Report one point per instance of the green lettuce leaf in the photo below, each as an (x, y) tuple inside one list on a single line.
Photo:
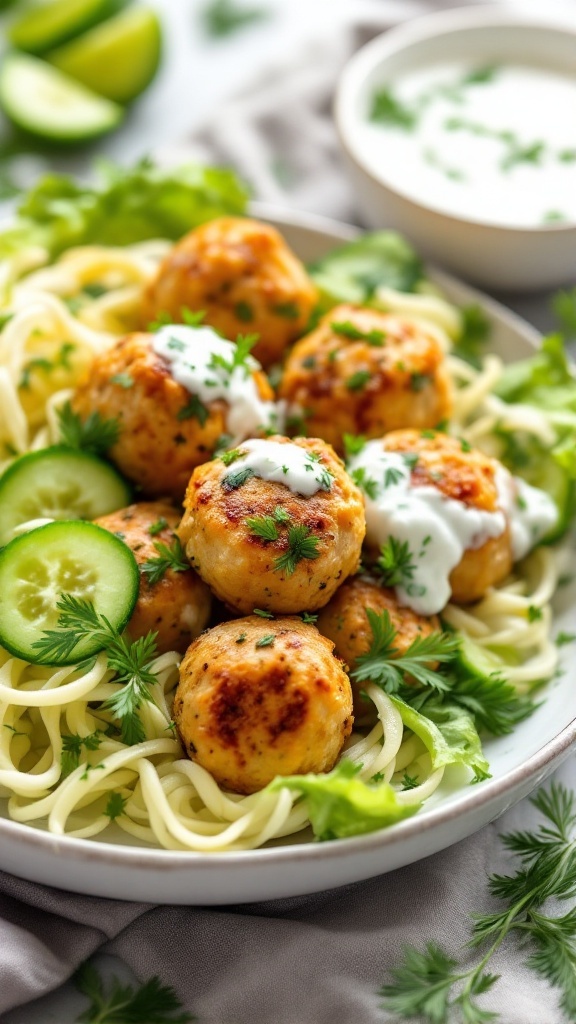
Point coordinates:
[(545, 379), (123, 207), (353, 272), (448, 733), (341, 805)]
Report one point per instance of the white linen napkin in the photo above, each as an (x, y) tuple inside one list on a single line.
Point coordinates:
[(318, 959)]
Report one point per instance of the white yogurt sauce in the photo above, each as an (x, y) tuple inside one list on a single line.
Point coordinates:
[(531, 512), (499, 151), (286, 464), (437, 529), (190, 352)]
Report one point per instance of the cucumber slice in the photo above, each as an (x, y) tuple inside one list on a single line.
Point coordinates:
[(44, 25), (75, 558), (41, 100), (117, 59), (478, 662), (553, 479), (58, 483)]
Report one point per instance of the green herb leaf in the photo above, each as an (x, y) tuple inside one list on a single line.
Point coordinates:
[(150, 1003), (194, 409), (234, 480), (94, 434), (382, 664), (358, 381), (301, 544), (115, 805), (266, 641), (169, 557), (72, 747), (263, 526), (155, 528), (396, 563), (223, 18), (387, 108)]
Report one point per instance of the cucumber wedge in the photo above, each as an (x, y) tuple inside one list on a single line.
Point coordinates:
[(117, 59), (58, 483), (38, 568), (478, 662), (43, 101), (50, 23)]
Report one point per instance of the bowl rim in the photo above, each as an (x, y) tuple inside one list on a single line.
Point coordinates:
[(376, 52)]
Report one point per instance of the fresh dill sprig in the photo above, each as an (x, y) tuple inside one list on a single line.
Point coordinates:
[(429, 984), (495, 703), (396, 563), (301, 544), (131, 662), (169, 557), (94, 434), (72, 746), (150, 1003), (382, 664)]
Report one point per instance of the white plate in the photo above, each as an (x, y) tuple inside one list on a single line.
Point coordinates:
[(519, 762)]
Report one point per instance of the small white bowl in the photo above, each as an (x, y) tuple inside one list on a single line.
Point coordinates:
[(491, 254)]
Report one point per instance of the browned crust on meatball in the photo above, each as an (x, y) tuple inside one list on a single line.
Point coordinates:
[(239, 566), (260, 698), (159, 443), (345, 622), (345, 385), (243, 276), (176, 607)]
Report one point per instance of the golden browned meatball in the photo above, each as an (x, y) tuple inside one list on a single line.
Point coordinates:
[(174, 604), (366, 372), (244, 277), (344, 621), (438, 507), (277, 525), (259, 698), (165, 430)]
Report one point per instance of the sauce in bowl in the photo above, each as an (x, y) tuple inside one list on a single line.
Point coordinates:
[(492, 143)]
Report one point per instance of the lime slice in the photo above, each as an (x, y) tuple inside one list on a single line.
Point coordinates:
[(41, 100), (44, 25), (117, 59)]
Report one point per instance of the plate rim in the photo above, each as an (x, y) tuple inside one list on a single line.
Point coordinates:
[(117, 854)]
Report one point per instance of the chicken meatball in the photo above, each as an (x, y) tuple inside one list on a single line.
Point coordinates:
[(436, 505), (244, 277), (274, 524), (175, 603), (344, 621), (175, 395), (259, 698), (366, 372)]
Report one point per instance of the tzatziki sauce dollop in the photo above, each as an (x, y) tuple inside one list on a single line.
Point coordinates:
[(438, 529), (204, 363), (297, 468)]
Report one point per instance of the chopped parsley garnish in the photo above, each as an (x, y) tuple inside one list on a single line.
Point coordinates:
[(263, 526), (409, 781), (62, 359), (308, 618), (465, 445), (241, 639), (262, 613), (392, 476), (289, 310), (565, 638), (94, 434), (124, 380), (301, 544), (244, 312), (229, 457), (353, 444), (194, 409), (72, 747), (346, 329), (534, 613), (396, 563), (115, 805), (418, 381), (169, 557), (312, 466), (155, 528), (364, 482), (358, 380), (242, 349), (266, 641), (383, 665), (234, 480), (281, 515), (386, 108)]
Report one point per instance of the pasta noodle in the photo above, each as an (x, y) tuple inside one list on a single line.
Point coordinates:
[(60, 316)]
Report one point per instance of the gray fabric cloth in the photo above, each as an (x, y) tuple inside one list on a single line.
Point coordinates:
[(319, 959)]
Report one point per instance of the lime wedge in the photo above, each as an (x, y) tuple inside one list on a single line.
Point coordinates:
[(117, 59), (41, 100), (43, 25)]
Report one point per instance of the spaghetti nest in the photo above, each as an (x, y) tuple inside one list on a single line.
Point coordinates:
[(63, 764)]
